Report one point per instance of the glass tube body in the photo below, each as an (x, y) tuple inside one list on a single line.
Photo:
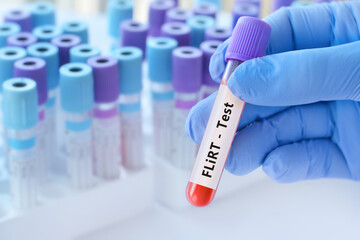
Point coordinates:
[(78, 149), (42, 145), (51, 115), (183, 149), (22, 156), (163, 107), (106, 140), (216, 143), (131, 131)]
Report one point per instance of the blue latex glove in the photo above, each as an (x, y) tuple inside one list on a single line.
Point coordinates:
[(302, 120)]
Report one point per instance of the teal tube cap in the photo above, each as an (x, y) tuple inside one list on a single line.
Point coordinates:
[(83, 52), (130, 69), (76, 88), (198, 25), (50, 54), (117, 12), (42, 13), (78, 28), (20, 92), (7, 29), (159, 56), (8, 56), (46, 32)]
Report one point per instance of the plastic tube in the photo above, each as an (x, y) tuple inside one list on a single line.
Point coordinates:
[(106, 124), (20, 125), (187, 76), (77, 99), (22, 39), (249, 40), (21, 17), (178, 31), (65, 42), (42, 13), (83, 52), (78, 28), (45, 33), (159, 53)]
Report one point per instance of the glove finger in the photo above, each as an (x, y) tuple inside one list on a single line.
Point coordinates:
[(300, 77), (217, 62), (319, 25), (310, 159), (252, 144), (199, 116)]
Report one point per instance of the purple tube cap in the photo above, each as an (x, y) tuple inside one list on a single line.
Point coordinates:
[(64, 43), (208, 48), (134, 34), (249, 39), (205, 8), (157, 14), (217, 33), (21, 17), (187, 69), (106, 78), (177, 30), (22, 39), (35, 69)]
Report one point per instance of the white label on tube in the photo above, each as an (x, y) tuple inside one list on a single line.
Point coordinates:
[(217, 139)]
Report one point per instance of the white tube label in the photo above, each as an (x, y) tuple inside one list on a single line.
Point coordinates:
[(217, 140)]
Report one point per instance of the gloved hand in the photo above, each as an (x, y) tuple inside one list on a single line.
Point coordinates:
[(302, 118)]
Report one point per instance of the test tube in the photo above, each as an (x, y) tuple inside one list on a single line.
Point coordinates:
[(22, 39), (249, 40), (83, 52), (20, 124), (217, 33), (78, 28), (20, 17), (187, 76), (216, 2), (198, 26), (45, 33), (178, 31), (244, 9), (65, 43), (8, 56), (77, 100), (205, 9), (281, 3), (157, 13), (42, 13), (117, 12), (159, 52), (6, 30), (106, 124), (133, 34), (35, 69), (178, 15), (130, 75), (209, 86), (50, 54)]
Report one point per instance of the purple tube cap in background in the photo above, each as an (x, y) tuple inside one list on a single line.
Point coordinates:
[(157, 13), (21, 17), (178, 15), (187, 68), (208, 48), (134, 34), (64, 43), (206, 9), (35, 69), (22, 39), (217, 33), (106, 78), (177, 30)]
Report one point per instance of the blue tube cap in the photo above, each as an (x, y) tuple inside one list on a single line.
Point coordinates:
[(20, 92), (118, 11), (42, 13), (216, 2), (83, 52), (198, 25), (78, 28), (8, 56), (130, 69), (46, 32), (50, 54), (159, 56), (7, 29), (76, 88)]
